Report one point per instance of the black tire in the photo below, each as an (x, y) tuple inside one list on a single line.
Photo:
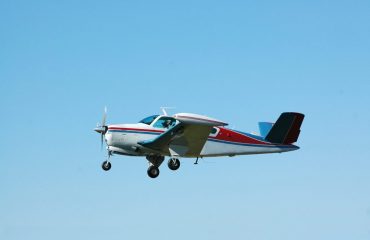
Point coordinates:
[(106, 165), (173, 164), (153, 171)]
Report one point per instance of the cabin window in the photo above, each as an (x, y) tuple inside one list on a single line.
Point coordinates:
[(214, 132), (165, 122)]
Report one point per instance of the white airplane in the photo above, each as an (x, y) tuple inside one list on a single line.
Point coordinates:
[(187, 135)]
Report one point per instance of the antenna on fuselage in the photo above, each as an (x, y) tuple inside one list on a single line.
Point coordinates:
[(164, 110)]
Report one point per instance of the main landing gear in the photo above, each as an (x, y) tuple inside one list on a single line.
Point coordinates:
[(173, 164), (153, 171), (156, 161)]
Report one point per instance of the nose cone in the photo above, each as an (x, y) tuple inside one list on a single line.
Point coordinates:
[(98, 130), (102, 129)]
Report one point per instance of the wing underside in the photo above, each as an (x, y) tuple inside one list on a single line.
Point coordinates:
[(186, 139), (181, 140)]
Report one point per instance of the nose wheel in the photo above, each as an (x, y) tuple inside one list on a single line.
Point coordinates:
[(153, 171), (173, 164), (106, 166)]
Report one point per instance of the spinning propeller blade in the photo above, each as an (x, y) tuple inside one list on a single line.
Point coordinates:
[(104, 117), (101, 141), (102, 128)]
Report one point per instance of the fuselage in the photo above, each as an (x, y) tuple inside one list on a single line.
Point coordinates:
[(124, 138)]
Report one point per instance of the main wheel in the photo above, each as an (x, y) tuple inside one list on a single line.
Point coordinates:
[(153, 171), (173, 164), (106, 165)]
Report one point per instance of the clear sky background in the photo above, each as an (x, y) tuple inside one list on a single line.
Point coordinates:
[(242, 62)]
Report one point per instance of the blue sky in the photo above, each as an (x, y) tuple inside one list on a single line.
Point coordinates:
[(242, 62)]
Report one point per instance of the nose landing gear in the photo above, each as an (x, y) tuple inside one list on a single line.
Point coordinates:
[(106, 165)]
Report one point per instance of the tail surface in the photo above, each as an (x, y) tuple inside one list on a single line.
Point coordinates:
[(265, 128), (286, 129)]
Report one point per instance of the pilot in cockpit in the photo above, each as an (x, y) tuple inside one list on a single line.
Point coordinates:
[(168, 123)]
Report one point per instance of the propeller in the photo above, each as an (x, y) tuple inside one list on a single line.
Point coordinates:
[(102, 128)]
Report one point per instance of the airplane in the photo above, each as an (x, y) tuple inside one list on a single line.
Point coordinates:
[(189, 135)]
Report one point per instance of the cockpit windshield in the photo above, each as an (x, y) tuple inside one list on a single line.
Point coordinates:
[(149, 120)]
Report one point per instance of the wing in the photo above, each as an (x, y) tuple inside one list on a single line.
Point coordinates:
[(187, 138)]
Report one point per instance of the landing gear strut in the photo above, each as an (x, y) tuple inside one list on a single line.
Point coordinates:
[(173, 164)]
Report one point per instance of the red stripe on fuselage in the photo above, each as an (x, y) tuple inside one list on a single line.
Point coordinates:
[(135, 129), (232, 136), (224, 134)]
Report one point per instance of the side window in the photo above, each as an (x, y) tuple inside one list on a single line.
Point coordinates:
[(165, 122), (214, 132)]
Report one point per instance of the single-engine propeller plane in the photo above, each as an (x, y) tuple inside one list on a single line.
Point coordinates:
[(188, 135)]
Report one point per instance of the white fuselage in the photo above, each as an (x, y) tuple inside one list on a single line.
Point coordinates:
[(124, 138)]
